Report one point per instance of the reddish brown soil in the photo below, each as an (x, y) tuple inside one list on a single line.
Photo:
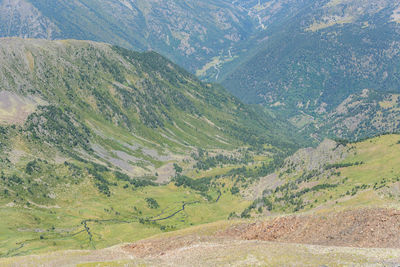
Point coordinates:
[(379, 228), (366, 228)]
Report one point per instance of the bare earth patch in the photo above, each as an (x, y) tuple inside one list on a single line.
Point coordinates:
[(367, 228), (15, 109)]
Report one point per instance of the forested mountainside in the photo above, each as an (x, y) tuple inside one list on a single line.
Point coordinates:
[(331, 69)]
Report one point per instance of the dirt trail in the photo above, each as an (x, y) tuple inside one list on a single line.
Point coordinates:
[(158, 247)]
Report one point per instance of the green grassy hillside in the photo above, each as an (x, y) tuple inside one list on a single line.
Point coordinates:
[(91, 136), (50, 205), (334, 177), (96, 85)]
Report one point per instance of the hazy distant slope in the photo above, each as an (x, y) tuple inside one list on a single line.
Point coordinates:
[(310, 65), (189, 32), (202, 36), (21, 18)]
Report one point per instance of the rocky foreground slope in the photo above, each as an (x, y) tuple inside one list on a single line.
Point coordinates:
[(240, 243)]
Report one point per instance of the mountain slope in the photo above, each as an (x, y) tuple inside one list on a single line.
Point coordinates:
[(126, 89), (98, 141), (94, 98), (309, 67)]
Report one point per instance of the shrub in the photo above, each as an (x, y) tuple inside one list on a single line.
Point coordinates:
[(152, 203)]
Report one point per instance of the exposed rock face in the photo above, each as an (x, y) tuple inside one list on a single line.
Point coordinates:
[(309, 159), (305, 160)]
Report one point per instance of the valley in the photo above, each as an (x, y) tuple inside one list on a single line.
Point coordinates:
[(199, 133), (334, 178), (132, 144)]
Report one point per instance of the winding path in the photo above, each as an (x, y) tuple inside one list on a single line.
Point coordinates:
[(176, 212), (86, 229), (219, 196)]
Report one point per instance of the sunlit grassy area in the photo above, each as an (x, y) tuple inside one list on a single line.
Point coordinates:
[(115, 219)]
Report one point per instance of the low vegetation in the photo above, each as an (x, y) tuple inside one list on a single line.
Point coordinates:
[(342, 183)]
